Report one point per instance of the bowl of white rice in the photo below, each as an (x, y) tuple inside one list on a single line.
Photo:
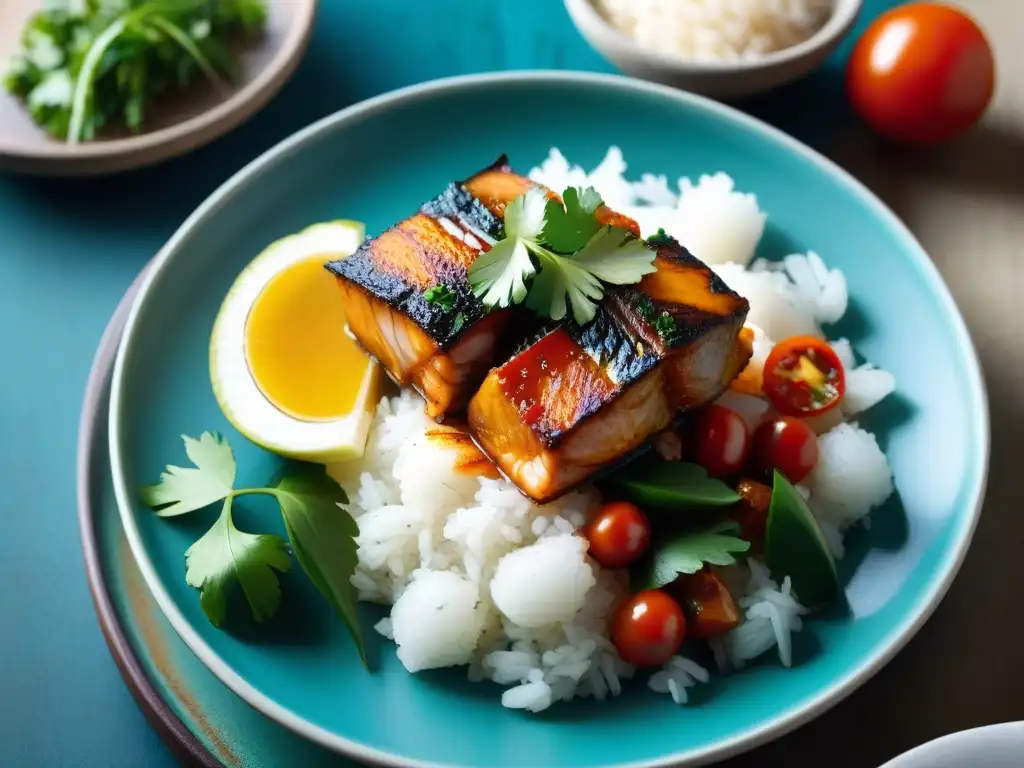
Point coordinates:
[(719, 48)]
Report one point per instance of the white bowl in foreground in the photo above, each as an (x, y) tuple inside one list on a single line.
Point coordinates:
[(994, 746), (718, 79)]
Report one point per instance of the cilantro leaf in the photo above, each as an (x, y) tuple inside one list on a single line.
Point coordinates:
[(570, 226), (323, 537), (225, 555), (498, 277), (613, 255), (687, 553), (525, 216), (561, 279), (186, 489), (440, 295)]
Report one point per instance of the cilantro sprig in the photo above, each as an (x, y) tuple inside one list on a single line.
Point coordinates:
[(687, 553), (556, 256), (320, 532), (87, 65)]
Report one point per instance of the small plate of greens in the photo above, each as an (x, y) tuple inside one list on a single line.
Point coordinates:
[(97, 86)]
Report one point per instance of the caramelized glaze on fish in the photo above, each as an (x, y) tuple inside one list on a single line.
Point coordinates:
[(579, 400), (442, 350)]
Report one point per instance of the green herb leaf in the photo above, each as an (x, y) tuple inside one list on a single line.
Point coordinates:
[(441, 296), (666, 327), (123, 55), (614, 256), (561, 279), (660, 238), (323, 537), (460, 320), (498, 277), (569, 227), (795, 546), (186, 489), (686, 553), (670, 486), (645, 307), (225, 555)]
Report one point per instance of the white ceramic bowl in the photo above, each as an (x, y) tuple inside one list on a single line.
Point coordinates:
[(720, 80)]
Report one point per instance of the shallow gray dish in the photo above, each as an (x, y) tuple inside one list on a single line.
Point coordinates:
[(178, 126)]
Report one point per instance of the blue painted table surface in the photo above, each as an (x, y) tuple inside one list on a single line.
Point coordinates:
[(70, 248)]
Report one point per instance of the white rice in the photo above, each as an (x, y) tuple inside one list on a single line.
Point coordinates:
[(477, 575), (716, 30)]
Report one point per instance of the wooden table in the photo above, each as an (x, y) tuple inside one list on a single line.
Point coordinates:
[(68, 249)]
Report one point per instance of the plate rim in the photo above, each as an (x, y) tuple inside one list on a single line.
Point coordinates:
[(172, 730), (178, 138), (785, 721)]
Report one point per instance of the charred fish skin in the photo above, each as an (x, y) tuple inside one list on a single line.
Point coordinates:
[(581, 400), (434, 247)]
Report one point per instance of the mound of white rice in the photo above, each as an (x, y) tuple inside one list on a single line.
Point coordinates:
[(716, 30), (478, 575)]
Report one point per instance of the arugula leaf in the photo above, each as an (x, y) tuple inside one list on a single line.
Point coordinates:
[(671, 486), (182, 489), (613, 255), (570, 226), (686, 553), (225, 555), (323, 537), (440, 295)]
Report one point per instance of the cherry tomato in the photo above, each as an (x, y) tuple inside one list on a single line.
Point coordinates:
[(707, 603), (785, 444), (803, 376), (751, 511), (648, 628), (921, 73), (722, 441), (618, 534)]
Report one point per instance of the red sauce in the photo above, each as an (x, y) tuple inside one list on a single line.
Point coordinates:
[(524, 378)]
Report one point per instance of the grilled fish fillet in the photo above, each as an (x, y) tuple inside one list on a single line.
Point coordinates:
[(442, 351), (579, 400)]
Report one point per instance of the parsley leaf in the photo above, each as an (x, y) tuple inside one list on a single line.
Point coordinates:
[(645, 307), (687, 553), (570, 226), (323, 537), (225, 555), (441, 296), (182, 490)]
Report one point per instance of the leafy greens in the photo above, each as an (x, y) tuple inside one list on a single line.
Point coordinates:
[(86, 65), (321, 533), (556, 256)]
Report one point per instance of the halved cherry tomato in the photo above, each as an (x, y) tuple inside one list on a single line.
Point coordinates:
[(707, 603), (722, 441), (785, 444), (751, 511), (803, 376), (921, 73), (618, 534), (648, 628)]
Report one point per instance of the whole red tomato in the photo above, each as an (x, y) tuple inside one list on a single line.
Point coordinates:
[(922, 73)]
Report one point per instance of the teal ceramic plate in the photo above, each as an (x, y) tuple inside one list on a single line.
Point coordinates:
[(380, 159), (201, 720)]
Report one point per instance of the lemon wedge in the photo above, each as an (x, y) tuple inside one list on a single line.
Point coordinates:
[(284, 369)]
